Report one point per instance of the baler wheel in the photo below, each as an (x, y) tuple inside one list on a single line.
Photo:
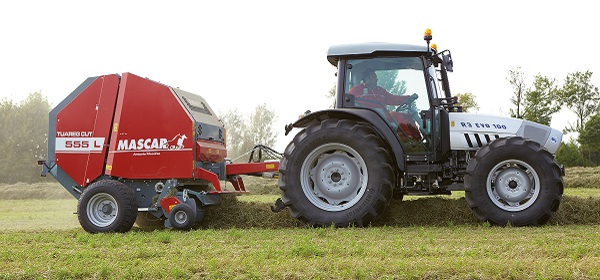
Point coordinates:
[(107, 206), (182, 216)]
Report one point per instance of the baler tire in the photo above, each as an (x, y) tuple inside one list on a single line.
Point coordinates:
[(352, 174), (182, 216), (513, 181), (107, 206)]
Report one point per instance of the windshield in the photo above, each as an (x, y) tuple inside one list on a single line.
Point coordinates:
[(393, 75)]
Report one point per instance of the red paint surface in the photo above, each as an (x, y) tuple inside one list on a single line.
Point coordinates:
[(79, 127), (152, 135)]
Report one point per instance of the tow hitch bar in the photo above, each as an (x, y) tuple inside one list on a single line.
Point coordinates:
[(278, 207)]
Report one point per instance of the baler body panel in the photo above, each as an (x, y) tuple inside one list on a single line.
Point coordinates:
[(208, 128), (131, 129), (207, 151), (82, 130), (152, 134)]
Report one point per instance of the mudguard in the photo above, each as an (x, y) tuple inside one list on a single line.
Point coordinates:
[(362, 115)]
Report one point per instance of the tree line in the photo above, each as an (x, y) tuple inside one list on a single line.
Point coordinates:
[(23, 138), (244, 132)]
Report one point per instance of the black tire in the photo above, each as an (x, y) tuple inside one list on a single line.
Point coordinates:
[(398, 196), (107, 206), (513, 180), (355, 174), (182, 216), (146, 220)]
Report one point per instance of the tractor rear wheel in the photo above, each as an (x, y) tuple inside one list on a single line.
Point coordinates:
[(513, 180), (107, 206), (337, 172)]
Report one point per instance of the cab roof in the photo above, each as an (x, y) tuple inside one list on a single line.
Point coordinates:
[(335, 52)]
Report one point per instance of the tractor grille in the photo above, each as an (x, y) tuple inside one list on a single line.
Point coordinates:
[(478, 140)]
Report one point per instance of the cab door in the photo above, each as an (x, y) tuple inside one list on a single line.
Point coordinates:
[(436, 119)]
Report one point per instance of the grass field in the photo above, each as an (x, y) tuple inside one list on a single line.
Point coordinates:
[(419, 238), (450, 252)]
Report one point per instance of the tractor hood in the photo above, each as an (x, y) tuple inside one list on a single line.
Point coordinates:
[(472, 131)]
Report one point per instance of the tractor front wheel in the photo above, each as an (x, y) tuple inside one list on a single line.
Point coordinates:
[(107, 206), (513, 180)]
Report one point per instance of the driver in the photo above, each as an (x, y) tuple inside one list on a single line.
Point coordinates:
[(368, 90), (369, 95)]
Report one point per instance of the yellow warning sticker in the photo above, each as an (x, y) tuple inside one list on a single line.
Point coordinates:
[(270, 166)]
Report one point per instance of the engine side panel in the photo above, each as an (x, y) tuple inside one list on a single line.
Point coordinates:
[(472, 131), (547, 137)]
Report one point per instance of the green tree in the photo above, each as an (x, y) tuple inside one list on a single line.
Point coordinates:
[(467, 101), (235, 127), (516, 78), (540, 103), (245, 132), (331, 95), (589, 139), (8, 140), (569, 154), (23, 138), (388, 79), (581, 97), (261, 125)]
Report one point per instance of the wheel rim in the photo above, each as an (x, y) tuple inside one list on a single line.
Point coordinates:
[(334, 177), (513, 185), (102, 209), (181, 217)]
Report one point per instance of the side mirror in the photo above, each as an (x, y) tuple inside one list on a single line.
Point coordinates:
[(447, 60)]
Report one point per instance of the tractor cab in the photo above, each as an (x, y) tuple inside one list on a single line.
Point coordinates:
[(401, 84)]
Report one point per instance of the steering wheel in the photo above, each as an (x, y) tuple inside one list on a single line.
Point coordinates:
[(407, 104), (410, 108)]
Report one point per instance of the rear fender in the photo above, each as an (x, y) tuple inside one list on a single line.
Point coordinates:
[(359, 115)]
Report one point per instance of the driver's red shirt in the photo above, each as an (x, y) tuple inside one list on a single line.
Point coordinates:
[(382, 97), (378, 94)]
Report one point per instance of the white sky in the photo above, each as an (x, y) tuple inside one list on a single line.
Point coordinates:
[(239, 54)]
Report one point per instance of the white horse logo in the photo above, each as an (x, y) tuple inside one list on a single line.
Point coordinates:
[(180, 138), (180, 142)]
